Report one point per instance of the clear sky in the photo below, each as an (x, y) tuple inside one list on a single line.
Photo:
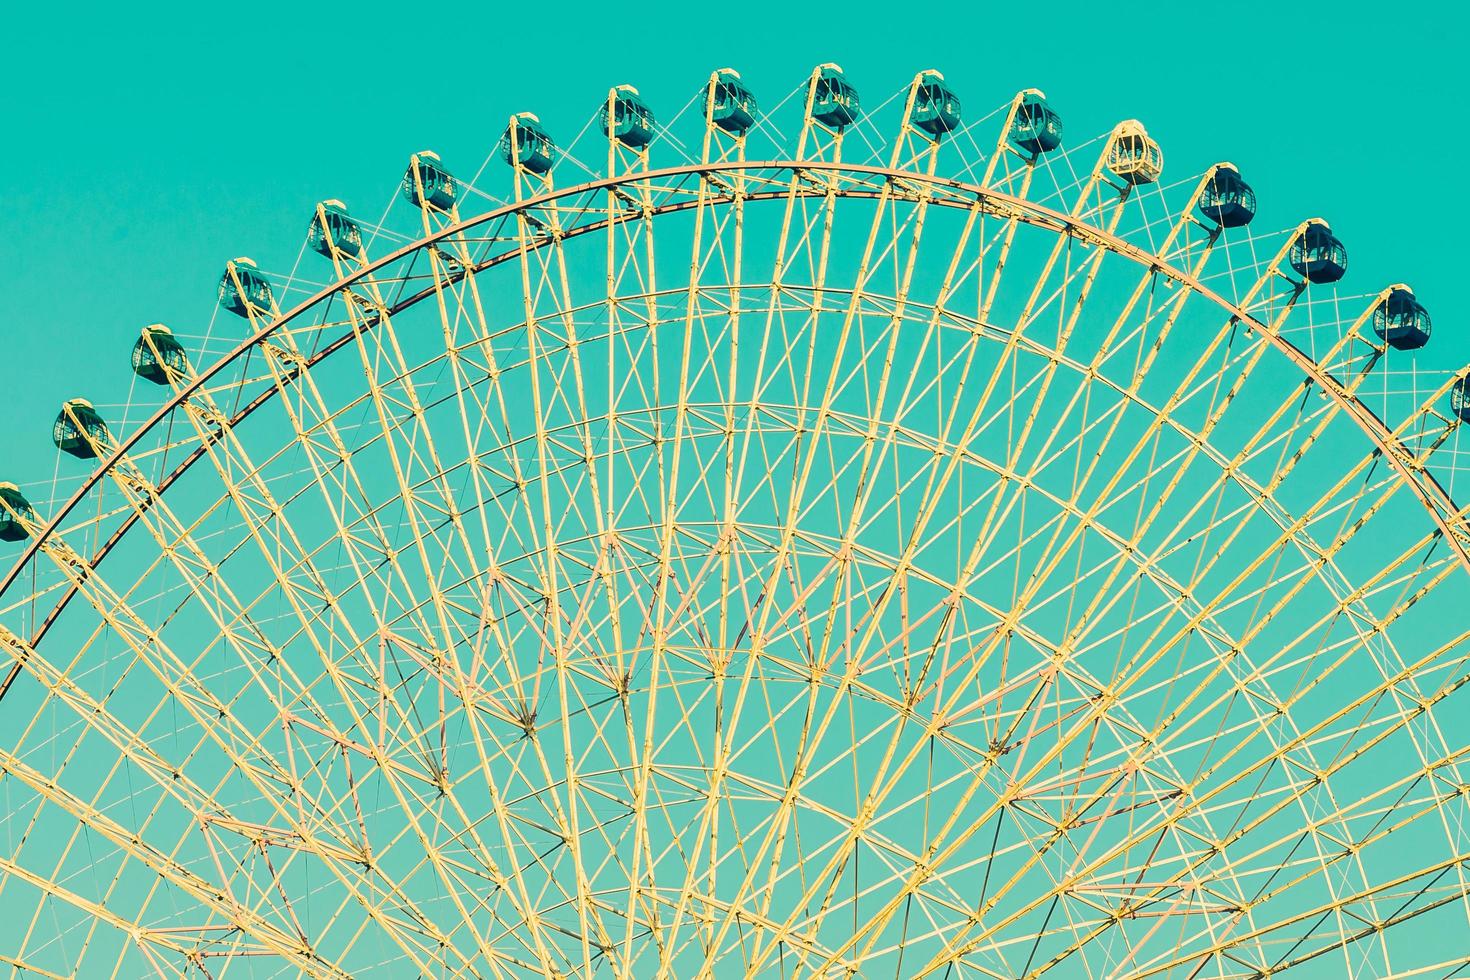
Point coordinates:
[(146, 150)]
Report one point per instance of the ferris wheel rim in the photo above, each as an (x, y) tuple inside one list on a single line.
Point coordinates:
[(1447, 517)]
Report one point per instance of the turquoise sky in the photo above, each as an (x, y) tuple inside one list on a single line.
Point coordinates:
[(147, 150)]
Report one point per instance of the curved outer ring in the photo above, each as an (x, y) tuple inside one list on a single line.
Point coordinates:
[(1425, 486)]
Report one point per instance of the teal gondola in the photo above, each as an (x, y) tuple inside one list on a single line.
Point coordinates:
[(627, 118), (244, 290), (79, 431), (15, 513), (1317, 255), (1036, 128), (333, 230), (526, 144), (1460, 399), (1227, 199), (936, 107), (426, 184), (158, 357), (1400, 320), (732, 105), (835, 102)]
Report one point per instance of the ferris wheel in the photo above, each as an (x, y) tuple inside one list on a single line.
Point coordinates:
[(856, 538)]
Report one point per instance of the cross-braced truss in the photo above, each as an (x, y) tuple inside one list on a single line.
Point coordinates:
[(923, 563)]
